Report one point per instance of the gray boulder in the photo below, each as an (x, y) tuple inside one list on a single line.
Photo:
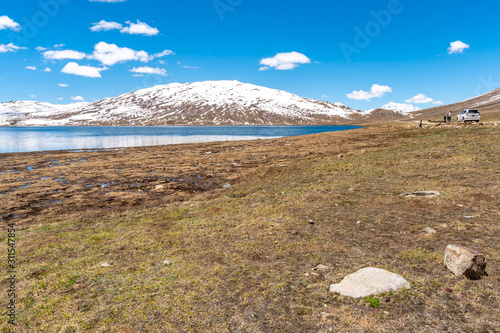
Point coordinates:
[(369, 281), (463, 261)]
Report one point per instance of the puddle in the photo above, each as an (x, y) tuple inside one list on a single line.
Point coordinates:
[(25, 186), (82, 159), (135, 185), (13, 171), (30, 168), (43, 178), (56, 201), (59, 179), (88, 186)]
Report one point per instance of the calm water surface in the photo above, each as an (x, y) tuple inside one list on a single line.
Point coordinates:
[(25, 139)]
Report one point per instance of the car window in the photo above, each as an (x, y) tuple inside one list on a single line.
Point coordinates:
[(473, 111)]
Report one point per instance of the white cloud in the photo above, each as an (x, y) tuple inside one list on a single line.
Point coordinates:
[(163, 53), (78, 98), (139, 28), (400, 107), (10, 48), (110, 54), (263, 68), (149, 70), (324, 96), (438, 102), (190, 67), (376, 91), (47, 69), (105, 26), (419, 99), (284, 61), (33, 68), (64, 54), (59, 45), (75, 69), (40, 48), (60, 98), (8, 23), (32, 96), (62, 85), (457, 47), (110, 1)]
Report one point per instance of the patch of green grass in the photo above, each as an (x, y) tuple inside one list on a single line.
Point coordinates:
[(373, 301)]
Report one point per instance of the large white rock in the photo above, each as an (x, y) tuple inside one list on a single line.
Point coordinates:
[(369, 281)]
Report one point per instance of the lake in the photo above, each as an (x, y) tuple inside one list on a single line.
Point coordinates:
[(26, 139)]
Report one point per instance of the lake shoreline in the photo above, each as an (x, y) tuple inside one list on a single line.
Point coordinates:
[(54, 138)]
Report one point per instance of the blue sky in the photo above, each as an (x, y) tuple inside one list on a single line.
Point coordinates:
[(360, 53)]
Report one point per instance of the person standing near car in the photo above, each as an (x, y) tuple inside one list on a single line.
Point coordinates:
[(449, 117), (444, 117)]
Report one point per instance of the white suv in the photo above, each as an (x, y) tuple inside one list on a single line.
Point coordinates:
[(469, 115)]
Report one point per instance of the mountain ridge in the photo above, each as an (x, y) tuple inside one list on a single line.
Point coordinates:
[(199, 103)]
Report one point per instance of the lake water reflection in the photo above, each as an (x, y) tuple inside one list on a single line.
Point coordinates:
[(25, 139)]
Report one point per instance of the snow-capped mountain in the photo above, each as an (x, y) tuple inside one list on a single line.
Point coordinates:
[(199, 103), (400, 107)]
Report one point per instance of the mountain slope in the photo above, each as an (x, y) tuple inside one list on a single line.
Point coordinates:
[(199, 103), (487, 102)]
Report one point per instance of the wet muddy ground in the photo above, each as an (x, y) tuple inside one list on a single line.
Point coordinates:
[(39, 185)]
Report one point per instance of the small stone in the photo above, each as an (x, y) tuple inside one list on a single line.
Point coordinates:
[(105, 264), (167, 262), (464, 261), (429, 231), (159, 187), (369, 281), (326, 316), (311, 222), (321, 268), (425, 194), (341, 155), (358, 222)]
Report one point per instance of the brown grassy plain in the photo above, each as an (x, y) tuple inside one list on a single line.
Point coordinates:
[(242, 256)]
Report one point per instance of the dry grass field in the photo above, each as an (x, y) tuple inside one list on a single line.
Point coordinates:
[(240, 258)]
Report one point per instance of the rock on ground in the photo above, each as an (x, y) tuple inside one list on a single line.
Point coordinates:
[(427, 194), (464, 261), (369, 281)]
